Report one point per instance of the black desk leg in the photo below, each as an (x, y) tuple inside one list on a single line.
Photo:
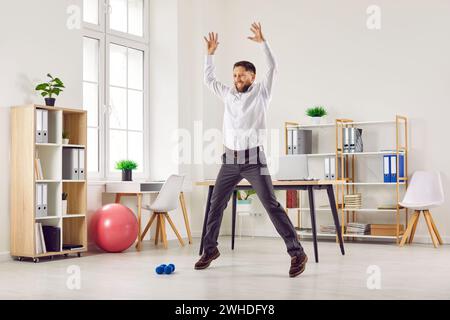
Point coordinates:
[(205, 221), (332, 200), (233, 219), (312, 211)]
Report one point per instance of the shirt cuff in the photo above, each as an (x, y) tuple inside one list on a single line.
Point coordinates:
[(209, 58)]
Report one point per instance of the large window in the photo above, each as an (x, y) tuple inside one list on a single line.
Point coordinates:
[(115, 86)]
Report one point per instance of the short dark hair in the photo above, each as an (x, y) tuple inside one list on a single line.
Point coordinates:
[(248, 66)]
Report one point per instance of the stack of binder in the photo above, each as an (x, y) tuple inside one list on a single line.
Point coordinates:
[(390, 170), (352, 201), (299, 141), (73, 164), (352, 138), (41, 126), (41, 200), (52, 238)]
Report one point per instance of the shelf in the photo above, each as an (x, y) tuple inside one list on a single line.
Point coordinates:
[(356, 210), (48, 181), (48, 145), (47, 218), (317, 155), (311, 126), (369, 153), (57, 253), (354, 123), (68, 216), (74, 181), (373, 183), (73, 146), (332, 235), (363, 123)]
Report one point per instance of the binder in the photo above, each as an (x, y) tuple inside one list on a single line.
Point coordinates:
[(38, 126), (44, 199), (386, 169), (289, 138), (52, 237), (295, 149), (75, 171), (333, 168), (44, 126), (351, 139), (345, 139), (37, 240), (393, 168), (327, 168), (401, 167), (81, 171), (39, 211), (41, 238)]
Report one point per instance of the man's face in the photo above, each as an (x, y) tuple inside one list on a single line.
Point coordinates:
[(243, 79)]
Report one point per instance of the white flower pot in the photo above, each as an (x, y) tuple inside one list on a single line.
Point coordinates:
[(65, 141), (316, 120), (64, 207)]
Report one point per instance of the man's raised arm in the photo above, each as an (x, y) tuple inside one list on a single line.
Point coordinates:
[(271, 62), (209, 77)]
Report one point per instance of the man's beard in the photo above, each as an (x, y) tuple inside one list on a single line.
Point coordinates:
[(244, 89)]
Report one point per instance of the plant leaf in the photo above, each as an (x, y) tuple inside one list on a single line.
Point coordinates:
[(42, 86), (44, 94)]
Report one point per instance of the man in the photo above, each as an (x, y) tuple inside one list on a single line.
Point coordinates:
[(243, 128)]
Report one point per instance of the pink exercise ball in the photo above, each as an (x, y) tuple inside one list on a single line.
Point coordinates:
[(114, 227)]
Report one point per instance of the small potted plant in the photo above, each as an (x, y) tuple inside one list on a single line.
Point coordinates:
[(64, 203), (49, 89), (244, 201), (316, 114), (127, 167), (65, 137)]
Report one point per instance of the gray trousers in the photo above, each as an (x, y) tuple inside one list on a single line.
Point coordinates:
[(250, 165)]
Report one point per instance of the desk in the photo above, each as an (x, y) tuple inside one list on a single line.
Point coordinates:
[(309, 186), (138, 190)]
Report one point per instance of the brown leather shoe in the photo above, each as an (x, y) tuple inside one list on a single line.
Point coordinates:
[(298, 264), (206, 260)]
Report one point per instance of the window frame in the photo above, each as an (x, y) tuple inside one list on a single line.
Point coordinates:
[(111, 39), (105, 36)]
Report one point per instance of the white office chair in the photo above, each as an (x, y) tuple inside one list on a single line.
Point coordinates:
[(166, 201), (424, 192)]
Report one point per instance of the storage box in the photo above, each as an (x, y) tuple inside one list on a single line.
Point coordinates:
[(385, 229)]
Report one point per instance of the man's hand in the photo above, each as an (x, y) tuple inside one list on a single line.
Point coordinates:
[(258, 36), (212, 43)]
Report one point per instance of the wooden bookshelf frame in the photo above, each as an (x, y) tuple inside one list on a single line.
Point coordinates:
[(347, 165), (23, 180)]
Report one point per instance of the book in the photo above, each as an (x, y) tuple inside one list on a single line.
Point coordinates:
[(72, 246)]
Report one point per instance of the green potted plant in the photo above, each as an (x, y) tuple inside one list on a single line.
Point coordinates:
[(53, 87), (65, 137), (127, 167), (316, 113), (244, 201)]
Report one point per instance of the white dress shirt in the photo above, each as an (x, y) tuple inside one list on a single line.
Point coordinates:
[(244, 123)]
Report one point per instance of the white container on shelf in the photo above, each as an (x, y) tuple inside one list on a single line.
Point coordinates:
[(64, 207)]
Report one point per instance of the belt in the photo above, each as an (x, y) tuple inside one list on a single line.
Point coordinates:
[(235, 153)]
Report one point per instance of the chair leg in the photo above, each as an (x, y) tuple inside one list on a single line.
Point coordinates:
[(174, 229), (149, 224), (186, 218), (163, 231), (430, 229), (411, 223), (158, 228), (435, 228), (413, 231)]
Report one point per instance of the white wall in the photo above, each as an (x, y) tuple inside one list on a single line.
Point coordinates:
[(34, 41)]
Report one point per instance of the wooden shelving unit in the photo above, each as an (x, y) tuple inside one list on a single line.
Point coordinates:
[(348, 165), (24, 148)]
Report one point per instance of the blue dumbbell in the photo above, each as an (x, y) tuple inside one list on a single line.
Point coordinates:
[(160, 269), (169, 269)]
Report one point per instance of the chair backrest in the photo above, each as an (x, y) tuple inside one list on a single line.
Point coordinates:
[(425, 187), (167, 199)]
